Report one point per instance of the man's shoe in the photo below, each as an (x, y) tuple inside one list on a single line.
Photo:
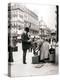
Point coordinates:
[(24, 63)]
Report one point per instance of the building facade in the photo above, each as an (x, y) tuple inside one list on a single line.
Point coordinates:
[(44, 31), (22, 17)]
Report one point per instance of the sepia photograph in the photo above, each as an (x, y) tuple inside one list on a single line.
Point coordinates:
[(33, 39)]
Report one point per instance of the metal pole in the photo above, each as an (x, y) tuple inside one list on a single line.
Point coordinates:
[(10, 55)]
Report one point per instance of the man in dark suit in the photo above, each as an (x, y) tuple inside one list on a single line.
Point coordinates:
[(26, 41)]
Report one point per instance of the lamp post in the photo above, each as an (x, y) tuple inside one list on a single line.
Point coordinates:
[(57, 20), (10, 56)]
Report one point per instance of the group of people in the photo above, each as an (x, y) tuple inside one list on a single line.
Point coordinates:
[(41, 45)]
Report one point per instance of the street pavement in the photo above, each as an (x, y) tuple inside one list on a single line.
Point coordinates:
[(18, 56), (19, 69)]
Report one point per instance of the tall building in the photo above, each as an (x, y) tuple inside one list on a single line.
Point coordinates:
[(23, 17), (44, 31), (31, 20), (17, 16)]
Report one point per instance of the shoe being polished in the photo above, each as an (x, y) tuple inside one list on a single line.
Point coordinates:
[(42, 61)]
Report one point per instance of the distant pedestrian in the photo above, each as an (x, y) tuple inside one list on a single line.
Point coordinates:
[(54, 43), (52, 51)]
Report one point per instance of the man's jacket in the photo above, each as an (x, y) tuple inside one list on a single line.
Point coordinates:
[(25, 43)]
